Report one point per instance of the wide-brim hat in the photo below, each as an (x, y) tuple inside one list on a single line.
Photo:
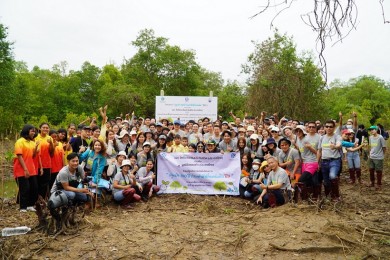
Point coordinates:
[(123, 133), (125, 162)]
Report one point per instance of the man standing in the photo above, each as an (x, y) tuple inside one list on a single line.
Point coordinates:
[(329, 154), (377, 156)]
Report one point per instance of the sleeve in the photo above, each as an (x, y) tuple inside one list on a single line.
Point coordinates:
[(118, 177), (84, 155), (383, 142), (18, 147), (347, 144), (62, 177)]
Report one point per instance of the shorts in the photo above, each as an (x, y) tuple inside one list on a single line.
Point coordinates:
[(376, 164), (310, 167)]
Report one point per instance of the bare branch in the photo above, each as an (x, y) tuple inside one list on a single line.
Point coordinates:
[(383, 11)]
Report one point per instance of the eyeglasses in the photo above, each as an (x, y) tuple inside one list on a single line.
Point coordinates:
[(273, 131), (329, 126), (200, 146), (311, 126)]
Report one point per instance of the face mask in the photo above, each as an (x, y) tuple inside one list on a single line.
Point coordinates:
[(349, 126), (255, 167)]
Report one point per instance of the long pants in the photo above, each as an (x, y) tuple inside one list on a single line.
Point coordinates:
[(330, 169), (44, 182), (28, 191)]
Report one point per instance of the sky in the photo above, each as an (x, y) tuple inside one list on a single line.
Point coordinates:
[(46, 32)]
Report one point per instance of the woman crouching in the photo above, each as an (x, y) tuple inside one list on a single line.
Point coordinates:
[(145, 177), (123, 188)]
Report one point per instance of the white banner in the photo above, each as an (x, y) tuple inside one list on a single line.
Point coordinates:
[(186, 108), (199, 173)]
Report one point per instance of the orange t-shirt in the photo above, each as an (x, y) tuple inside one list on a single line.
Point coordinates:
[(44, 150), (57, 161), (25, 148)]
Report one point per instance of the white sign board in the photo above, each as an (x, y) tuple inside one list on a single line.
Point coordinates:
[(186, 108), (199, 173)]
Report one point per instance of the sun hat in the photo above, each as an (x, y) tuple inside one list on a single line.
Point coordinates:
[(123, 153), (301, 127), (125, 162), (123, 133)]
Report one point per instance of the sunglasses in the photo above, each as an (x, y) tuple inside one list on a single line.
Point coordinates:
[(329, 126), (273, 131), (310, 126)]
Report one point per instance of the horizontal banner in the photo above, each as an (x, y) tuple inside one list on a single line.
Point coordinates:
[(186, 108), (199, 173)]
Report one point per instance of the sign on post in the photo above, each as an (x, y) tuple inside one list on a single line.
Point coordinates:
[(186, 108)]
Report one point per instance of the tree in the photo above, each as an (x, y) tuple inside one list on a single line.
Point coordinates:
[(367, 95), (7, 62), (231, 97), (158, 65), (281, 81)]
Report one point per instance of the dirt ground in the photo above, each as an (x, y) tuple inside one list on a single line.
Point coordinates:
[(216, 227)]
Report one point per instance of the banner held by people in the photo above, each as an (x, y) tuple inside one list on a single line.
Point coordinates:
[(205, 173)]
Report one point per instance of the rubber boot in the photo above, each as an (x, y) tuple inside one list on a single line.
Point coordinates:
[(372, 178), (335, 192), (352, 178), (310, 192), (316, 192), (379, 180), (297, 191), (327, 190), (303, 190), (359, 175)]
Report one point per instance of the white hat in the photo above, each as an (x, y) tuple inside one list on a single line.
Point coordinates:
[(254, 137), (122, 153), (145, 144), (125, 162), (301, 127), (123, 133), (250, 128), (275, 128), (132, 132)]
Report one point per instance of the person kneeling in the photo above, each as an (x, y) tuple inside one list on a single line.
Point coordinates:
[(68, 181), (145, 177), (278, 183), (123, 188)]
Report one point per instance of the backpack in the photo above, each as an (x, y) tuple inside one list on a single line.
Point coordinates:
[(57, 199)]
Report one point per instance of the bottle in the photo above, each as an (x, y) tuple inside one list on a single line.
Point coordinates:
[(6, 232)]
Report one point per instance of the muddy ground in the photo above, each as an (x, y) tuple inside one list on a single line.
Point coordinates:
[(215, 227)]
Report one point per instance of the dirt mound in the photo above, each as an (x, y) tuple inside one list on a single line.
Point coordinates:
[(215, 227)]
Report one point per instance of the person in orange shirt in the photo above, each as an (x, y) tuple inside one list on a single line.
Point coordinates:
[(24, 169), (46, 148), (57, 160)]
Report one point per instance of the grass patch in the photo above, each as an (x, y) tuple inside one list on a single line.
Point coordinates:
[(10, 189)]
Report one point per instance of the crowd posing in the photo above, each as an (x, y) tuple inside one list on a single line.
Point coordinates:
[(281, 159)]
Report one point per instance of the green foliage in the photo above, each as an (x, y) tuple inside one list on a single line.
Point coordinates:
[(366, 95), (231, 98), (282, 81), (220, 185)]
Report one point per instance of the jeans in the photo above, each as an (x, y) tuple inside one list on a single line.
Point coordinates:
[(353, 160), (76, 196), (118, 196), (330, 170)]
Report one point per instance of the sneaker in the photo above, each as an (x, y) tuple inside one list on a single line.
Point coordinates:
[(23, 210), (31, 209)]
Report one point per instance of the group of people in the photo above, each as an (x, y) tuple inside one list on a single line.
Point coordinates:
[(280, 158)]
